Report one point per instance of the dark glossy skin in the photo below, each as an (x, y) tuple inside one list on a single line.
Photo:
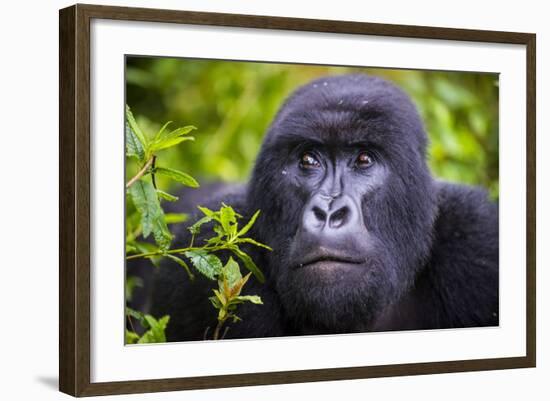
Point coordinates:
[(364, 238)]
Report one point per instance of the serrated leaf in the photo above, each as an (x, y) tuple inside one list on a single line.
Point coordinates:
[(135, 127), (178, 176), (166, 196), (147, 204), (253, 242), (182, 263), (249, 264), (145, 200), (168, 143), (134, 148), (206, 263), (248, 225)]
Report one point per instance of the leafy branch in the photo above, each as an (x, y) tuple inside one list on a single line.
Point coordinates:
[(149, 217)]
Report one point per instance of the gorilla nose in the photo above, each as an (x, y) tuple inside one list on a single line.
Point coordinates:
[(327, 213)]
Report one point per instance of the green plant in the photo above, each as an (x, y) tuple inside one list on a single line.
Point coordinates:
[(145, 215), (154, 328)]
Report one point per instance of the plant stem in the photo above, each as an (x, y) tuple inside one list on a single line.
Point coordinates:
[(217, 330), (140, 172), (172, 251), (152, 174), (131, 324)]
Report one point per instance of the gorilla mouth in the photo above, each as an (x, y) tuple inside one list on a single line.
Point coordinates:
[(326, 258)]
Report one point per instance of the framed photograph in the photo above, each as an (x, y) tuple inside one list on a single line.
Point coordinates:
[(250, 200)]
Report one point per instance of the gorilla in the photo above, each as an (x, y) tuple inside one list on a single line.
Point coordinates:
[(364, 238)]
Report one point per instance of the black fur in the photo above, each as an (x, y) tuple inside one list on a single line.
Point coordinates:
[(428, 249)]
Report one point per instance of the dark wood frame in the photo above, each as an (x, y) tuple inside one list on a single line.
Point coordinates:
[(74, 199)]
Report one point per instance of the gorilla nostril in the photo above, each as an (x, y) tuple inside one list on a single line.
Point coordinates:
[(319, 214), (339, 217)]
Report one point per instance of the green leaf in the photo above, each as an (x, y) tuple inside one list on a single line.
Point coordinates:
[(174, 218), (253, 242), (178, 132), (159, 133), (156, 332), (255, 299), (182, 263), (135, 127), (145, 200), (249, 264), (161, 233), (147, 204), (196, 228), (228, 220), (248, 225), (206, 211), (134, 148), (207, 264), (163, 139), (131, 337), (236, 289), (167, 196), (168, 143), (178, 176), (232, 272)]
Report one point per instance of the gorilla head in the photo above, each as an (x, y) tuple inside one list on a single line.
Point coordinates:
[(342, 176)]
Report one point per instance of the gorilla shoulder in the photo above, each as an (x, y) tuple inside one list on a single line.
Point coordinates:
[(458, 286), (465, 257)]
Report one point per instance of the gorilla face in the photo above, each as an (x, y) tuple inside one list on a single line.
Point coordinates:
[(341, 176)]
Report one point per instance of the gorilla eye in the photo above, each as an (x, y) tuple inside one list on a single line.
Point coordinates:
[(308, 160), (364, 160)]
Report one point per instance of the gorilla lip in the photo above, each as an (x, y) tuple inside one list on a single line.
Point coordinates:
[(323, 258)]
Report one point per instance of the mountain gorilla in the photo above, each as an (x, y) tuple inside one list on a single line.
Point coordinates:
[(363, 238)]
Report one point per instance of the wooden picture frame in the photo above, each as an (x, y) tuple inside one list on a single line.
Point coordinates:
[(75, 205)]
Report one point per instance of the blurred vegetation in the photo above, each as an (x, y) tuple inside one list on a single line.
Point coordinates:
[(232, 104)]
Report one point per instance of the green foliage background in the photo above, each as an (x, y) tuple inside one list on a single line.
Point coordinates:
[(232, 103)]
